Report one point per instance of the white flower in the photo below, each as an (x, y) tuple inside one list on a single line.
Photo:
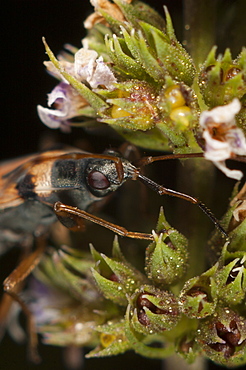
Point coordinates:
[(88, 67), (223, 139)]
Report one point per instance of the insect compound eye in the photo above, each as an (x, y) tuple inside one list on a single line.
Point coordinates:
[(97, 180)]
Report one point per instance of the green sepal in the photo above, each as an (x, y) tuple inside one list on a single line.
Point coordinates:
[(116, 251), (115, 277), (111, 290), (235, 229), (237, 237), (104, 268), (137, 11), (169, 27), (187, 347), (136, 100), (167, 256), (172, 57), (124, 64)]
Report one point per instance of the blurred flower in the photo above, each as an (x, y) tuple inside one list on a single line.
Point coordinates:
[(223, 139)]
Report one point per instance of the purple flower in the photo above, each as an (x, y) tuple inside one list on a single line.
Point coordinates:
[(67, 104)]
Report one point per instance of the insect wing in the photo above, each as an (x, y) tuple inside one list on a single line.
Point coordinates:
[(11, 172)]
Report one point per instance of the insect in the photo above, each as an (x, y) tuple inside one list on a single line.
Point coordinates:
[(63, 184)]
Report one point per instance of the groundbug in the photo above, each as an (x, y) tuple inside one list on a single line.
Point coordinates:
[(36, 190)]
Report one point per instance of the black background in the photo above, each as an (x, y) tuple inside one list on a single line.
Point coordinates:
[(24, 85)]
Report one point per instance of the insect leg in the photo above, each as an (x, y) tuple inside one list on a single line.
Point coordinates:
[(12, 287), (73, 217)]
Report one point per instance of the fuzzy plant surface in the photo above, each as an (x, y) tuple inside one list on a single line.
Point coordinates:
[(133, 76)]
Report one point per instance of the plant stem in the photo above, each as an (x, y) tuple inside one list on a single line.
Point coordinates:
[(199, 21), (196, 178)]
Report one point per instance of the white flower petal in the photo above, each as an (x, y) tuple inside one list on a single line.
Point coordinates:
[(84, 63), (103, 75), (55, 95), (93, 70), (216, 150), (223, 138), (49, 116), (233, 174), (221, 114)]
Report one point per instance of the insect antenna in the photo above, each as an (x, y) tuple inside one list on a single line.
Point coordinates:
[(162, 190), (207, 211), (147, 160)]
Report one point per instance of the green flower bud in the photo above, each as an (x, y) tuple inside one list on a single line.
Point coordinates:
[(115, 277), (223, 79), (198, 298), (223, 337), (166, 257), (153, 310)]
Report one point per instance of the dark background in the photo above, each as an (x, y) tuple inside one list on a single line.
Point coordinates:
[(25, 84)]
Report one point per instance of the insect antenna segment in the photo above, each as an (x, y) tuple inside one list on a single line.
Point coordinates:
[(162, 190)]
